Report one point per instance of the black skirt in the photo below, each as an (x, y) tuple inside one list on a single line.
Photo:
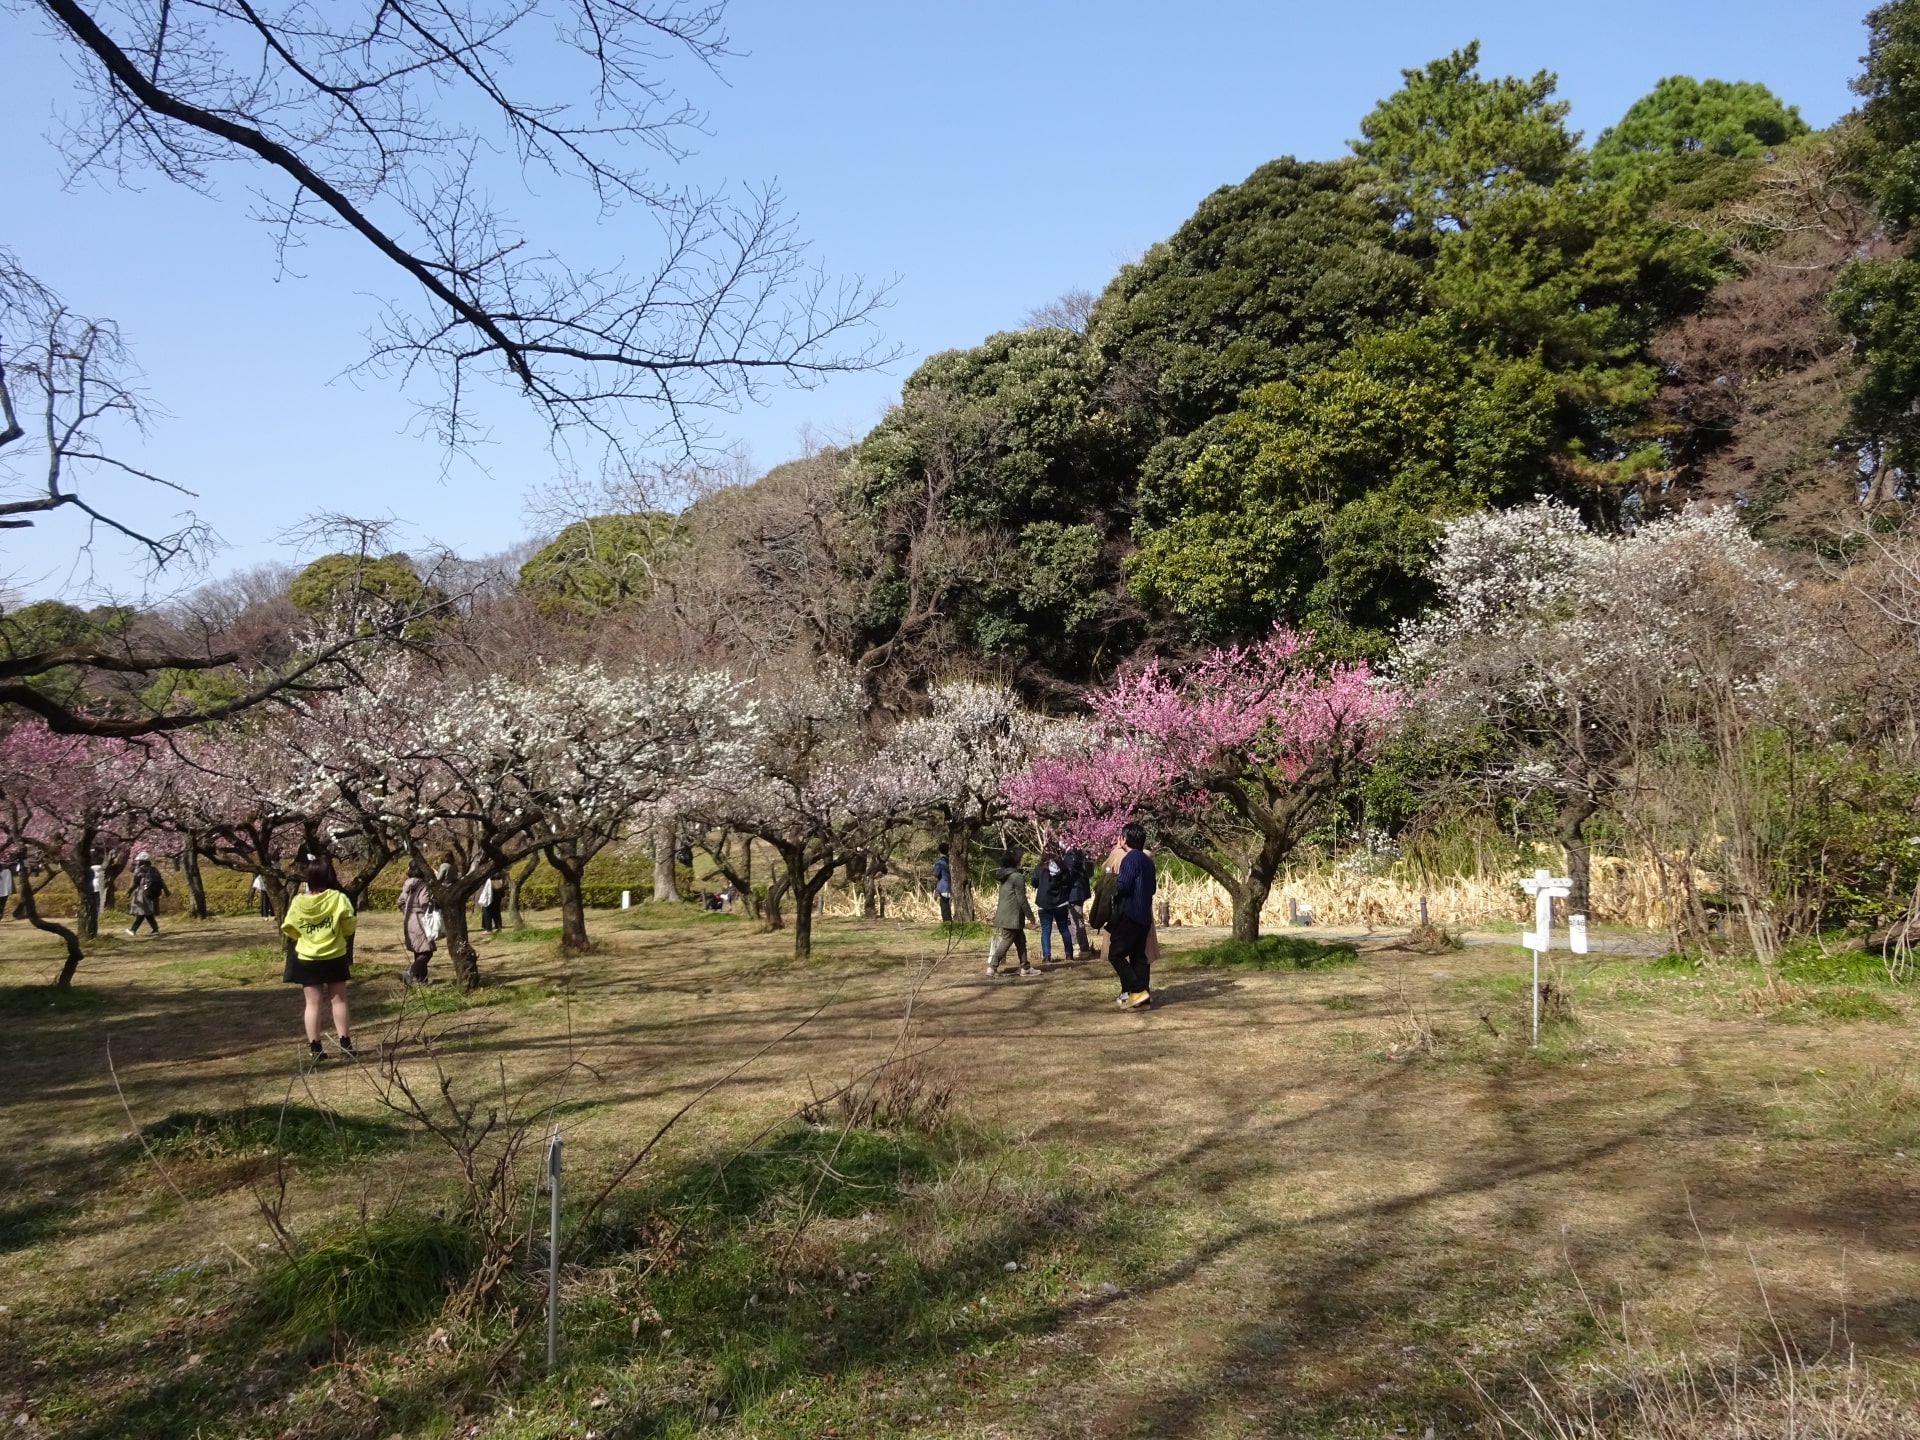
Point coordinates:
[(316, 972)]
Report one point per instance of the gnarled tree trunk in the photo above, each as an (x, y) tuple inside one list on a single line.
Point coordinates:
[(665, 884), (30, 911), (190, 871), (514, 882), (959, 869), (1575, 811)]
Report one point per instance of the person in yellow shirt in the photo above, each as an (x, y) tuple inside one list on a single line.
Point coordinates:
[(320, 923)]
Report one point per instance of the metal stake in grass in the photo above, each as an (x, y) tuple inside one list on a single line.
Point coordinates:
[(1543, 887), (553, 1250)]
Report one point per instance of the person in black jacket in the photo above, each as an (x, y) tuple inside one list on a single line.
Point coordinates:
[(1081, 869), (1052, 894)]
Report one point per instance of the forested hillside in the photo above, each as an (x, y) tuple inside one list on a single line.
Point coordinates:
[(1263, 417)]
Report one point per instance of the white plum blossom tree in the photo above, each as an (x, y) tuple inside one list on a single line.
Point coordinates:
[(1585, 655), (949, 766)]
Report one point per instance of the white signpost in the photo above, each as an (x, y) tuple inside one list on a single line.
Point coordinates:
[(1545, 889)]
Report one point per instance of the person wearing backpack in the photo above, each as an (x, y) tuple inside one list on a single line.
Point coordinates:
[(320, 922)]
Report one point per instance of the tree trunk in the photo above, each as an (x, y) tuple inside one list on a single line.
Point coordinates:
[(514, 882), (111, 868), (190, 870), (1247, 903), (776, 891), (79, 869), (1575, 810), (665, 885), (959, 871), (27, 908), (466, 961), (573, 911)]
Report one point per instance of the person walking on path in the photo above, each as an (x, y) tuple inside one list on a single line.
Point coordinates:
[(1010, 915), (1052, 885), (320, 922), (143, 893), (419, 926), (943, 884), (1133, 890)]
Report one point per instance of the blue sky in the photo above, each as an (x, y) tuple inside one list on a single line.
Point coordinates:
[(990, 155)]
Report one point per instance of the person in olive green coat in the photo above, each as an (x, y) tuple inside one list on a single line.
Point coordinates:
[(1010, 915)]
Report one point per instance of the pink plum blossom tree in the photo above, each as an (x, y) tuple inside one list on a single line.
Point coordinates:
[(66, 805), (1233, 761)]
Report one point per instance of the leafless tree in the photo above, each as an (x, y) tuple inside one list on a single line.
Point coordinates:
[(1072, 311), (383, 120), (67, 381)]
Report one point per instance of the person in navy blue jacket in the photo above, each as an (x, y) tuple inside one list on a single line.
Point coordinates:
[(1132, 919)]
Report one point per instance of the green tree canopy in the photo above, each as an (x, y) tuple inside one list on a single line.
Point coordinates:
[(1267, 280), (1684, 116), (1314, 502), (1876, 301), (339, 585), (600, 563), (1448, 143)]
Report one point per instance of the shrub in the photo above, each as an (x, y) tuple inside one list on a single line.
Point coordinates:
[(1276, 952), (303, 1131), (369, 1281)]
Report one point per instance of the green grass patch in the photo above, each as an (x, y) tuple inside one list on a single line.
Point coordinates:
[(1275, 952), (962, 930), (1341, 1002), (1675, 963), (528, 934), (369, 1281), (1847, 1004), (825, 1170), (1808, 964), (303, 1131), (255, 965)]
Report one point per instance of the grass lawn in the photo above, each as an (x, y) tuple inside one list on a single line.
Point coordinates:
[(1309, 1194)]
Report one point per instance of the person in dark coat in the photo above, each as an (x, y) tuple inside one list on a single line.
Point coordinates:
[(1081, 869), (1052, 893), (943, 884), (1133, 891)]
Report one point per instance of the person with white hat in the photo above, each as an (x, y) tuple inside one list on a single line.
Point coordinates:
[(143, 893)]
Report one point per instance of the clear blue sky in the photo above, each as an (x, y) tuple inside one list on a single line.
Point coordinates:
[(991, 155)]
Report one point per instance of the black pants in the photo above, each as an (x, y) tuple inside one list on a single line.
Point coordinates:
[(490, 915), (1128, 955), (135, 927), (946, 909)]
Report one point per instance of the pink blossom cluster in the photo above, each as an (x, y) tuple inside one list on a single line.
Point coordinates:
[(1170, 744)]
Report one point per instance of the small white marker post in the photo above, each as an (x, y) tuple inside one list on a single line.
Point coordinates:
[(1545, 888), (553, 1251)]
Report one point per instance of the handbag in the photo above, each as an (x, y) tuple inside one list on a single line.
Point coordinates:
[(431, 924)]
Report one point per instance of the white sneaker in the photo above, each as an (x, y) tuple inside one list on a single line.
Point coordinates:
[(132, 931)]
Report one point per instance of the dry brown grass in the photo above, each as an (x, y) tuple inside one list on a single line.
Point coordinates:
[(1332, 1213)]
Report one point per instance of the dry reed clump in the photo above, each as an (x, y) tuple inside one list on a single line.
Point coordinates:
[(1634, 892), (1691, 1399)]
